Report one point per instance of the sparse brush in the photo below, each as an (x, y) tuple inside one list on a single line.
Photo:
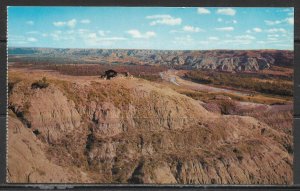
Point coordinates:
[(40, 84), (254, 82)]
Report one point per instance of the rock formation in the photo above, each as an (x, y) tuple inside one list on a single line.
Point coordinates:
[(224, 60), (133, 131)]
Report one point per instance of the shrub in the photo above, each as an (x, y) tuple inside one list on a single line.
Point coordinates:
[(227, 107), (40, 84)]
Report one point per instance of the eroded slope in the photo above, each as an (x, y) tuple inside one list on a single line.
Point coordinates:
[(133, 131)]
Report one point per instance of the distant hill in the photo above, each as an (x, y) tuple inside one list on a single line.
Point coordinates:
[(223, 60)]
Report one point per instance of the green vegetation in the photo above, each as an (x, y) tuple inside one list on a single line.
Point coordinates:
[(243, 81), (257, 98)]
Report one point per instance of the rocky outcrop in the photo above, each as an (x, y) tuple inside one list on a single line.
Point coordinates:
[(134, 131), (47, 110), (27, 160), (224, 60)]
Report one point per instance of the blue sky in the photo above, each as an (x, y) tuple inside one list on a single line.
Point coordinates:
[(195, 28)]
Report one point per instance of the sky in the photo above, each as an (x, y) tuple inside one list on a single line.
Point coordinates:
[(168, 28)]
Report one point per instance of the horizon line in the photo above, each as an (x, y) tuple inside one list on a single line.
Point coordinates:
[(152, 49)]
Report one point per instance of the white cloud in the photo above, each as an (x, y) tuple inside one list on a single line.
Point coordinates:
[(213, 38), (191, 29), (59, 35), (201, 11), (275, 30), (103, 33), (231, 21), (164, 20), (83, 31), (17, 39), (137, 34), (29, 22), (273, 39), (59, 23), (238, 41), (273, 35), (70, 32), (245, 37), (85, 21), (112, 38), (290, 20), (268, 22), (92, 39), (176, 31), (44, 35), (204, 42), (56, 35), (99, 39), (226, 11), (71, 23), (32, 39), (261, 42), (183, 40), (287, 9), (225, 29), (92, 35), (256, 29), (220, 20), (188, 28)]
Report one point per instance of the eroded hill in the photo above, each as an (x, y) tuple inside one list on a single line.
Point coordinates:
[(222, 60), (129, 130)]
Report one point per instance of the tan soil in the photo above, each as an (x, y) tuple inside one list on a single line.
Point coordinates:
[(128, 130)]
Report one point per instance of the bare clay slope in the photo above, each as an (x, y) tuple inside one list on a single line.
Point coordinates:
[(133, 131)]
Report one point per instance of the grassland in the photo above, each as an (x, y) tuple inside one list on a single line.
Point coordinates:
[(257, 82)]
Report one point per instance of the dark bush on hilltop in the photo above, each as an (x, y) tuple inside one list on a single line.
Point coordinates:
[(40, 84)]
